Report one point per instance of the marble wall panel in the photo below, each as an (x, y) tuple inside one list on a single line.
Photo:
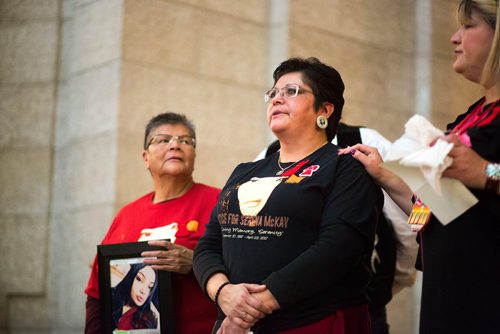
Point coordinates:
[(78, 232), (162, 34), (25, 180), (29, 314), (253, 10), (24, 241), (26, 115), (389, 121), (19, 10), (91, 36), (132, 177), (88, 104), (28, 51), (444, 24), (85, 173), (70, 7), (369, 22), (4, 312), (233, 50)]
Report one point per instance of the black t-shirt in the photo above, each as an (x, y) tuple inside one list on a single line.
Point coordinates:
[(307, 234), (461, 261)]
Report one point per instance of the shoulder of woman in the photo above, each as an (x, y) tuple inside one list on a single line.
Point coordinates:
[(347, 163), (243, 169), (207, 188)]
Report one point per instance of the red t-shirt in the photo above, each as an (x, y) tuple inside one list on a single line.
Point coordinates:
[(194, 312)]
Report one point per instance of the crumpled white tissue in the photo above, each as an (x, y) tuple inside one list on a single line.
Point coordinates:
[(413, 150), (421, 167)]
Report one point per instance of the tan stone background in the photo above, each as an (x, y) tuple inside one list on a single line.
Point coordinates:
[(80, 78)]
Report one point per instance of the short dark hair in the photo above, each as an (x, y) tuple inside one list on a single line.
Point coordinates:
[(167, 118), (325, 82)]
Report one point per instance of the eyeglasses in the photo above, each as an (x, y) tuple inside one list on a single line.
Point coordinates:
[(165, 140), (288, 92)]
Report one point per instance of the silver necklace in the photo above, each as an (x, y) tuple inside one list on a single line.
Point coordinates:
[(282, 170)]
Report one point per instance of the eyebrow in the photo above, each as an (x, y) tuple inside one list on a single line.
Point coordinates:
[(166, 134), (144, 277)]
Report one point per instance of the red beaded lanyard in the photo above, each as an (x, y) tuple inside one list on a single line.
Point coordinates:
[(478, 117)]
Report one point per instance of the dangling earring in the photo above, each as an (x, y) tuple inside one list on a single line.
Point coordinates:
[(322, 122)]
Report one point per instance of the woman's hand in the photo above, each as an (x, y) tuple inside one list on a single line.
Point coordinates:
[(229, 327), (241, 306), (468, 166), (175, 258), (237, 322), (267, 298), (369, 157), (395, 187)]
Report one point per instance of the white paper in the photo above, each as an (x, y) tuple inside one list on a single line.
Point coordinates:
[(421, 166), (454, 200)]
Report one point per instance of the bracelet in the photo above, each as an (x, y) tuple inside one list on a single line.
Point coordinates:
[(218, 292), (492, 172)]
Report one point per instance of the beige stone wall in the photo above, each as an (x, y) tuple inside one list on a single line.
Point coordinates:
[(29, 41), (206, 59), (80, 78)]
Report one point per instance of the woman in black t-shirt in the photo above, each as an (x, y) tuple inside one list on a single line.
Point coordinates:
[(287, 247)]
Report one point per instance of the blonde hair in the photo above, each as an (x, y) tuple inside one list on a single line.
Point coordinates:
[(488, 10)]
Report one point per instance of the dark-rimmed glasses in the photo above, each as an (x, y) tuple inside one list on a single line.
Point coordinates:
[(288, 92), (165, 140)]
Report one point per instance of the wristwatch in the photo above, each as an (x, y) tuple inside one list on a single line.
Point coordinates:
[(492, 171)]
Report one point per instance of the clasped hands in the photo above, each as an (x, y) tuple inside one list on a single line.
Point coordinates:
[(244, 304)]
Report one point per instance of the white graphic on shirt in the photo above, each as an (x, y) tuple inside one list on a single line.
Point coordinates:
[(163, 232), (253, 194)]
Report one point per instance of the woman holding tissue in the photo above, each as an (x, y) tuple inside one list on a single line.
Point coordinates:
[(461, 261), (288, 245)]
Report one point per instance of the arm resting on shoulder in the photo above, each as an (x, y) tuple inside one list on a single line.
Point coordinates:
[(395, 187)]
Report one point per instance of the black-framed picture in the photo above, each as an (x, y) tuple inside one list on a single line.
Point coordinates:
[(134, 297)]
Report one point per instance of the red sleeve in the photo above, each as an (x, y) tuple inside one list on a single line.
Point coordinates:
[(92, 316), (92, 288)]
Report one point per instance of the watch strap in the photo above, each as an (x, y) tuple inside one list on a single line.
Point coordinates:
[(492, 171)]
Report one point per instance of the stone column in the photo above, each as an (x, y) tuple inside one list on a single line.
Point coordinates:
[(29, 52)]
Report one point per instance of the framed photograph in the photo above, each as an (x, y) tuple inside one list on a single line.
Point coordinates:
[(134, 297)]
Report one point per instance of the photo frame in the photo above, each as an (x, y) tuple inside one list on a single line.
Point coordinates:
[(125, 280)]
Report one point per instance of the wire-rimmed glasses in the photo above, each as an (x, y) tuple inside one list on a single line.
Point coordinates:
[(288, 91), (165, 140)]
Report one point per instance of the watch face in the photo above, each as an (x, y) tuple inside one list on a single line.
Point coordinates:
[(493, 171)]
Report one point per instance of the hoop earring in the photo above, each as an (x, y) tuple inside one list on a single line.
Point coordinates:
[(322, 122)]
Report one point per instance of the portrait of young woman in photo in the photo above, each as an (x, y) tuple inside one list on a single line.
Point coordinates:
[(132, 299)]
